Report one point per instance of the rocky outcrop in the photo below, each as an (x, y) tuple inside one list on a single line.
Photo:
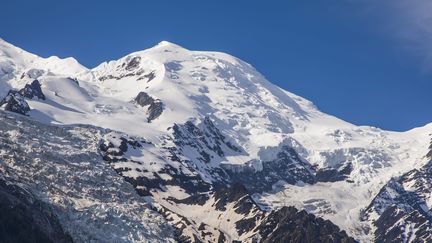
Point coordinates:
[(32, 90), (333, 175), (61, 167), (205, 137), (287, 166), (429, 154), (154, 106), (133, 63), (241, 220), (401, 211), (114, 148), (15, 102), (23, 218), (290, 225), (130, 68)]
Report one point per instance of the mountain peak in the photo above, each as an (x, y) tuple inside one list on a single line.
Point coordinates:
[(168, 44)]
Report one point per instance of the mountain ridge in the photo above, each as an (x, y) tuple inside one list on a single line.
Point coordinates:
[(181, 122)]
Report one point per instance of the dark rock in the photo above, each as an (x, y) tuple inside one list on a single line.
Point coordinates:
[(155, 106), (205, 138), (333, 175), (155, 110), (133, 63), (15, 102), (402, 209), (290, 225), (284, 225), (32, 90), (234, 193), (23, 218), (149, 76), (112, 154), (197, 199), (143, 99), (429, 154), (287, 166), (221, 238)]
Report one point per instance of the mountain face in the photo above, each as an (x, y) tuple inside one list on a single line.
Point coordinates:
[(402, 210), (169, 144)]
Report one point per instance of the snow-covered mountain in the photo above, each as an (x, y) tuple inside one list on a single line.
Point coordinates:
[(214, 151)]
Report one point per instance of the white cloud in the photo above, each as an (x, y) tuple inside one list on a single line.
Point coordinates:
[(410, 21)]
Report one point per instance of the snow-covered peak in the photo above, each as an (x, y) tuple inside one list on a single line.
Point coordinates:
[(168, 45), (218, 113), (190, 85), (15, 63)]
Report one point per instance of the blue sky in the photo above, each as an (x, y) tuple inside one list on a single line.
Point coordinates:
[(364, 61)]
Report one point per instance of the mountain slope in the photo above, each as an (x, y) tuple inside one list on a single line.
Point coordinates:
[(181, 123)]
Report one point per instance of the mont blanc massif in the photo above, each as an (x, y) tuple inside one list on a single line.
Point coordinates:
[(173, 145)]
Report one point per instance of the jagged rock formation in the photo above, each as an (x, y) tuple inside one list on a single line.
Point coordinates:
[(287, 167), (62, 168), (155, 106), (333, 175), (241, 220), (130, 68), (15, 102), (24, 218), (402, 209), (32, 90)]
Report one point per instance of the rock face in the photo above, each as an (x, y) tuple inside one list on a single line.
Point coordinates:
[(213, 212), (15, 102), (155, 106), (333, 175), (244, 221), (402, 210), (287, 166), (290, 225), (32, 90), (130, 68), (153, 173), (62, 167), (23, 218), (133, 63)]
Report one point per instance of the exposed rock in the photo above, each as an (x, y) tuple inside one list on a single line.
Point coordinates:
[(401, 211), (143, 99), (290, 225), (140, 74), (149, 76), (32, 90), (287, 166), (61, 166), (23, 218), (429, 154), (155, 106), (113, 150), (204, 137), (155, 110), (133, 63), (250, 223), (332, 175), (15, 102)]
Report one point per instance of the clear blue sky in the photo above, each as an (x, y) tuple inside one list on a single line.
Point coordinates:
[(366, 62)]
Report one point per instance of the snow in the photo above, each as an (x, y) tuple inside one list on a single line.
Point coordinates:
[(255, 114), (62, 167)]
